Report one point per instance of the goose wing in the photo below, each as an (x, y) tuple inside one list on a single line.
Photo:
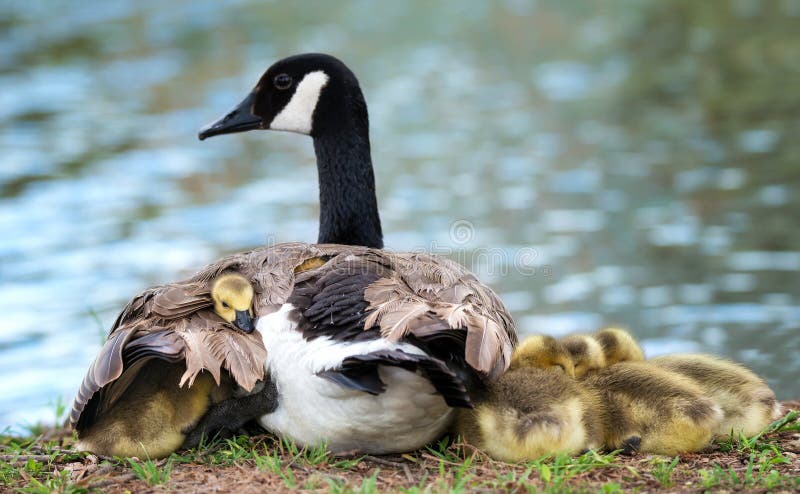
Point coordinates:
[(427, 296), (363, 293)]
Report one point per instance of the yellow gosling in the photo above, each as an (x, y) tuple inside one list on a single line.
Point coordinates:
[(618, 346), (587, 354), (233, 300), (542, 352), (747, 402), (535, 409), (153, 417), (155, 413), (529, 413), (667, 412)]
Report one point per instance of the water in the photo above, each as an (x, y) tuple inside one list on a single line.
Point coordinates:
[(623, 162)]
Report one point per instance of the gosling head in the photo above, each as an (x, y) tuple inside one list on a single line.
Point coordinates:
[(619, 346), (312, 94), (587, 354), (233, 299), (542, 352)]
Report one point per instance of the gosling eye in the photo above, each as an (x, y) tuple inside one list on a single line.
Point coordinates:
[(225, 305), (282, 81)]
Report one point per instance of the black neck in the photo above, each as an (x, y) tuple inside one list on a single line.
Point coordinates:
[(348, 204)]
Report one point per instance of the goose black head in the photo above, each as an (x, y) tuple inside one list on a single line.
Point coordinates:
[(309, 94)]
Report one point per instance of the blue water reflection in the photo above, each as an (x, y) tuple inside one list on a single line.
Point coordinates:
[(621, 163)]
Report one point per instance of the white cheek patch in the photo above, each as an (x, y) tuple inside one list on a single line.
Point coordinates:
[(296, 115)]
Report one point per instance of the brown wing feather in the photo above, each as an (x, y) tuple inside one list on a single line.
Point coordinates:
[(194, 332), (107, 366), (425, 287), (181, 300), (243, 355)]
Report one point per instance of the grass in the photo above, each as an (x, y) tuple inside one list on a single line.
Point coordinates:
[(44, 463), (151, 472)]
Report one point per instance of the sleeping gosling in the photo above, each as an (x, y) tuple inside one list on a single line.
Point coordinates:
[(154, 415), (535, 409), (652, 410), (586, 352), (542, 352), (747, 402), (618, 346)]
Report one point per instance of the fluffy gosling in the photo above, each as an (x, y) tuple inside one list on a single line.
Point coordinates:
[(586, 352), (155, 413), (747, 402), (542, 352), (534, 409), (618, 346), (233, 300), (664, 412)]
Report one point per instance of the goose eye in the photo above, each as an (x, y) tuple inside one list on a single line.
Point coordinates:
[(225, 305), (283, 81)]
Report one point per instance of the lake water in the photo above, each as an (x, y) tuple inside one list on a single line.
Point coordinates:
[(632, 163)]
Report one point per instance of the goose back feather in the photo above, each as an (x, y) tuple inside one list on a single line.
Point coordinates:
[(344, 292)]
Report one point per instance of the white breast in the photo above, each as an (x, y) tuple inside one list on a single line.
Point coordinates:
[(313, 410)]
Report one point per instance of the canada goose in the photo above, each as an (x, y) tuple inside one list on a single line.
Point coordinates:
[(317, 95), (652, 410), (367, 349), (143, 407), (747, 402), (618, 346), (370, 350), (587, 354), (534, 409), (542, 352)]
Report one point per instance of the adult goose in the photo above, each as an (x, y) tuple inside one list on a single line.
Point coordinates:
[(368, 349)]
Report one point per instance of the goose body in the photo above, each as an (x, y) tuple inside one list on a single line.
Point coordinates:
[(392, 351), (356, 347), (314, 409), (440, 333)]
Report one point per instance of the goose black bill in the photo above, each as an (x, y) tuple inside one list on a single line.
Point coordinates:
[(240, 119)]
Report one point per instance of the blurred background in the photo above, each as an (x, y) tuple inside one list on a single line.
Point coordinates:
[(644, 155)]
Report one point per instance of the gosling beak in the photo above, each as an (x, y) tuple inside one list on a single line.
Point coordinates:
[(244, 321), (240, 119)]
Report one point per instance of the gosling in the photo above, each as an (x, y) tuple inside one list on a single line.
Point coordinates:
[(535, 409), (155, 413), (586, 352), (650, 409), (233, 300), (747, 402), (618, 346), (542, 352)]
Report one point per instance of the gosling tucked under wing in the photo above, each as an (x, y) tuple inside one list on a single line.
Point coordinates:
[(371, 390), (133, 400)]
